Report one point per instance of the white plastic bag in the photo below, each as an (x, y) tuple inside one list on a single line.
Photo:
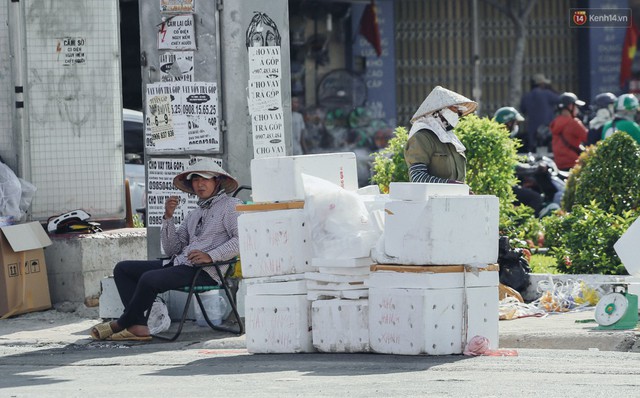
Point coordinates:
[(159, 320), (216, 307), (10, 193), (339, 220)]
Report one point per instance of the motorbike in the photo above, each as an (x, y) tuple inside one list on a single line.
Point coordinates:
[(542, 184)]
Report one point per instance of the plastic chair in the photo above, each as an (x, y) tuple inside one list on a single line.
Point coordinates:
[(195, 290)]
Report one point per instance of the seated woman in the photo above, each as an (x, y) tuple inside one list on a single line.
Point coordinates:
[(208, 234)]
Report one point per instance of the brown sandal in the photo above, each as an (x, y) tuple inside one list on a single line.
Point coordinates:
[(101, 331)]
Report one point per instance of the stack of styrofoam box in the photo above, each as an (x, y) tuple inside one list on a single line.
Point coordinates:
[(432, 310), (425, 311), (340, 308), (275, 242)]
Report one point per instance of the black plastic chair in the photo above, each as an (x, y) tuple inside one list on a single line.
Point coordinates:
[(195, 290)]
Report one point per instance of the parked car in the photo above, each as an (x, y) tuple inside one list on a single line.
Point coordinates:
[(133, 127)]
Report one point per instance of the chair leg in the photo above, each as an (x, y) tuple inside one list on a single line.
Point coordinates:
[(234, 308), (184, 312)]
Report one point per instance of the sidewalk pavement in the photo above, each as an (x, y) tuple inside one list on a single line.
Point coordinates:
[(567, 331)]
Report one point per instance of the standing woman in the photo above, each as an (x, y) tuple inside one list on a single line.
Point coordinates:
[(433, 152)]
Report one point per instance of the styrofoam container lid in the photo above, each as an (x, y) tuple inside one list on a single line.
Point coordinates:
[(421, 191), (628, 250)]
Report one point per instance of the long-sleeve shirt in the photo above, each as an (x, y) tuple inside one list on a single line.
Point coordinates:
[(213, 230), (430, 160)]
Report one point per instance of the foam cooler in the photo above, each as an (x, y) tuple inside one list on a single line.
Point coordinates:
[(431, 310), (280, 178), (442, 230), (274, 243), (340, 325)]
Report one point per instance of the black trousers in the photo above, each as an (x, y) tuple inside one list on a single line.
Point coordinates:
[(139, 282)]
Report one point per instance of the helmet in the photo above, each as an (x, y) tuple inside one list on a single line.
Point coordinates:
[(627, 102), (507, 114), (567, 99), (603, 100)]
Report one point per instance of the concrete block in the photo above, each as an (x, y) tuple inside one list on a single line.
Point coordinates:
[(416, 191), (280, 178), (76, 264), (274, 243), (340, 325), (278, 324), (442, 230)]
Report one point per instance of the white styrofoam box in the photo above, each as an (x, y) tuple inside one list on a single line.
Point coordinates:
[(628, 250), (110, 306), (277, 288), (421, 191), (442, 230), (340, 325), (313, 295), (345, 271), (276, 179), (320, 277), (434, 280), (246, 282), (274, 243), (341, 262), (316, 285), (278, 324), (431, 321)]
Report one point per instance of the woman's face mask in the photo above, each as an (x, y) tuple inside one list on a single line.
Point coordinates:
[(515, 130), (451, 117)]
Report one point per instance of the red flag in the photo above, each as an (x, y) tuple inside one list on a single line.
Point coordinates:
[(369, 27), (628, 53)]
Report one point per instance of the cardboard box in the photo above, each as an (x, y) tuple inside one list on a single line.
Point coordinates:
[(25, 286), (280, 178)]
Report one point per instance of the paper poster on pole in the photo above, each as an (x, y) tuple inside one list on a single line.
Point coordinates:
[(268, 134), (177, 5), (193, 116), (264, 95), (177, 33), (200, 112), (162, 130), (71, 51), (265, 101), (160, 174), (264, 62), (176, 66)]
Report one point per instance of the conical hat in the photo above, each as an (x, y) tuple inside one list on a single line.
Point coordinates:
[(208, 167), (440, 98)]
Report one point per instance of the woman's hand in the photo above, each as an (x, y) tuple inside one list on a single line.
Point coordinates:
[(170, 206), (198, 257)]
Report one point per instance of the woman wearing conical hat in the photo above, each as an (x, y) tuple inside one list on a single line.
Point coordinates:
[(209, 233), (433, 152)]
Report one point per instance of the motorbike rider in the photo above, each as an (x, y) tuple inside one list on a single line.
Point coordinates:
[(511, 118), (604, 111), (626, 108), (568, 132)]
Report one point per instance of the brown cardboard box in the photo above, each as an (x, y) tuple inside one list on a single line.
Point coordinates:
[(24, 286)]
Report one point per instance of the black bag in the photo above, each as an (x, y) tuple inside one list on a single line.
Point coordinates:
[(514, 267)]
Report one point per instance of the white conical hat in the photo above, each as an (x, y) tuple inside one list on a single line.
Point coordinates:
[(440, 98), (206, 168)]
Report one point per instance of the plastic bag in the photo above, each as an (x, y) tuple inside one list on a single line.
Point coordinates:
[(339, 220), (159, 320), (10, 193), (216, 307)]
